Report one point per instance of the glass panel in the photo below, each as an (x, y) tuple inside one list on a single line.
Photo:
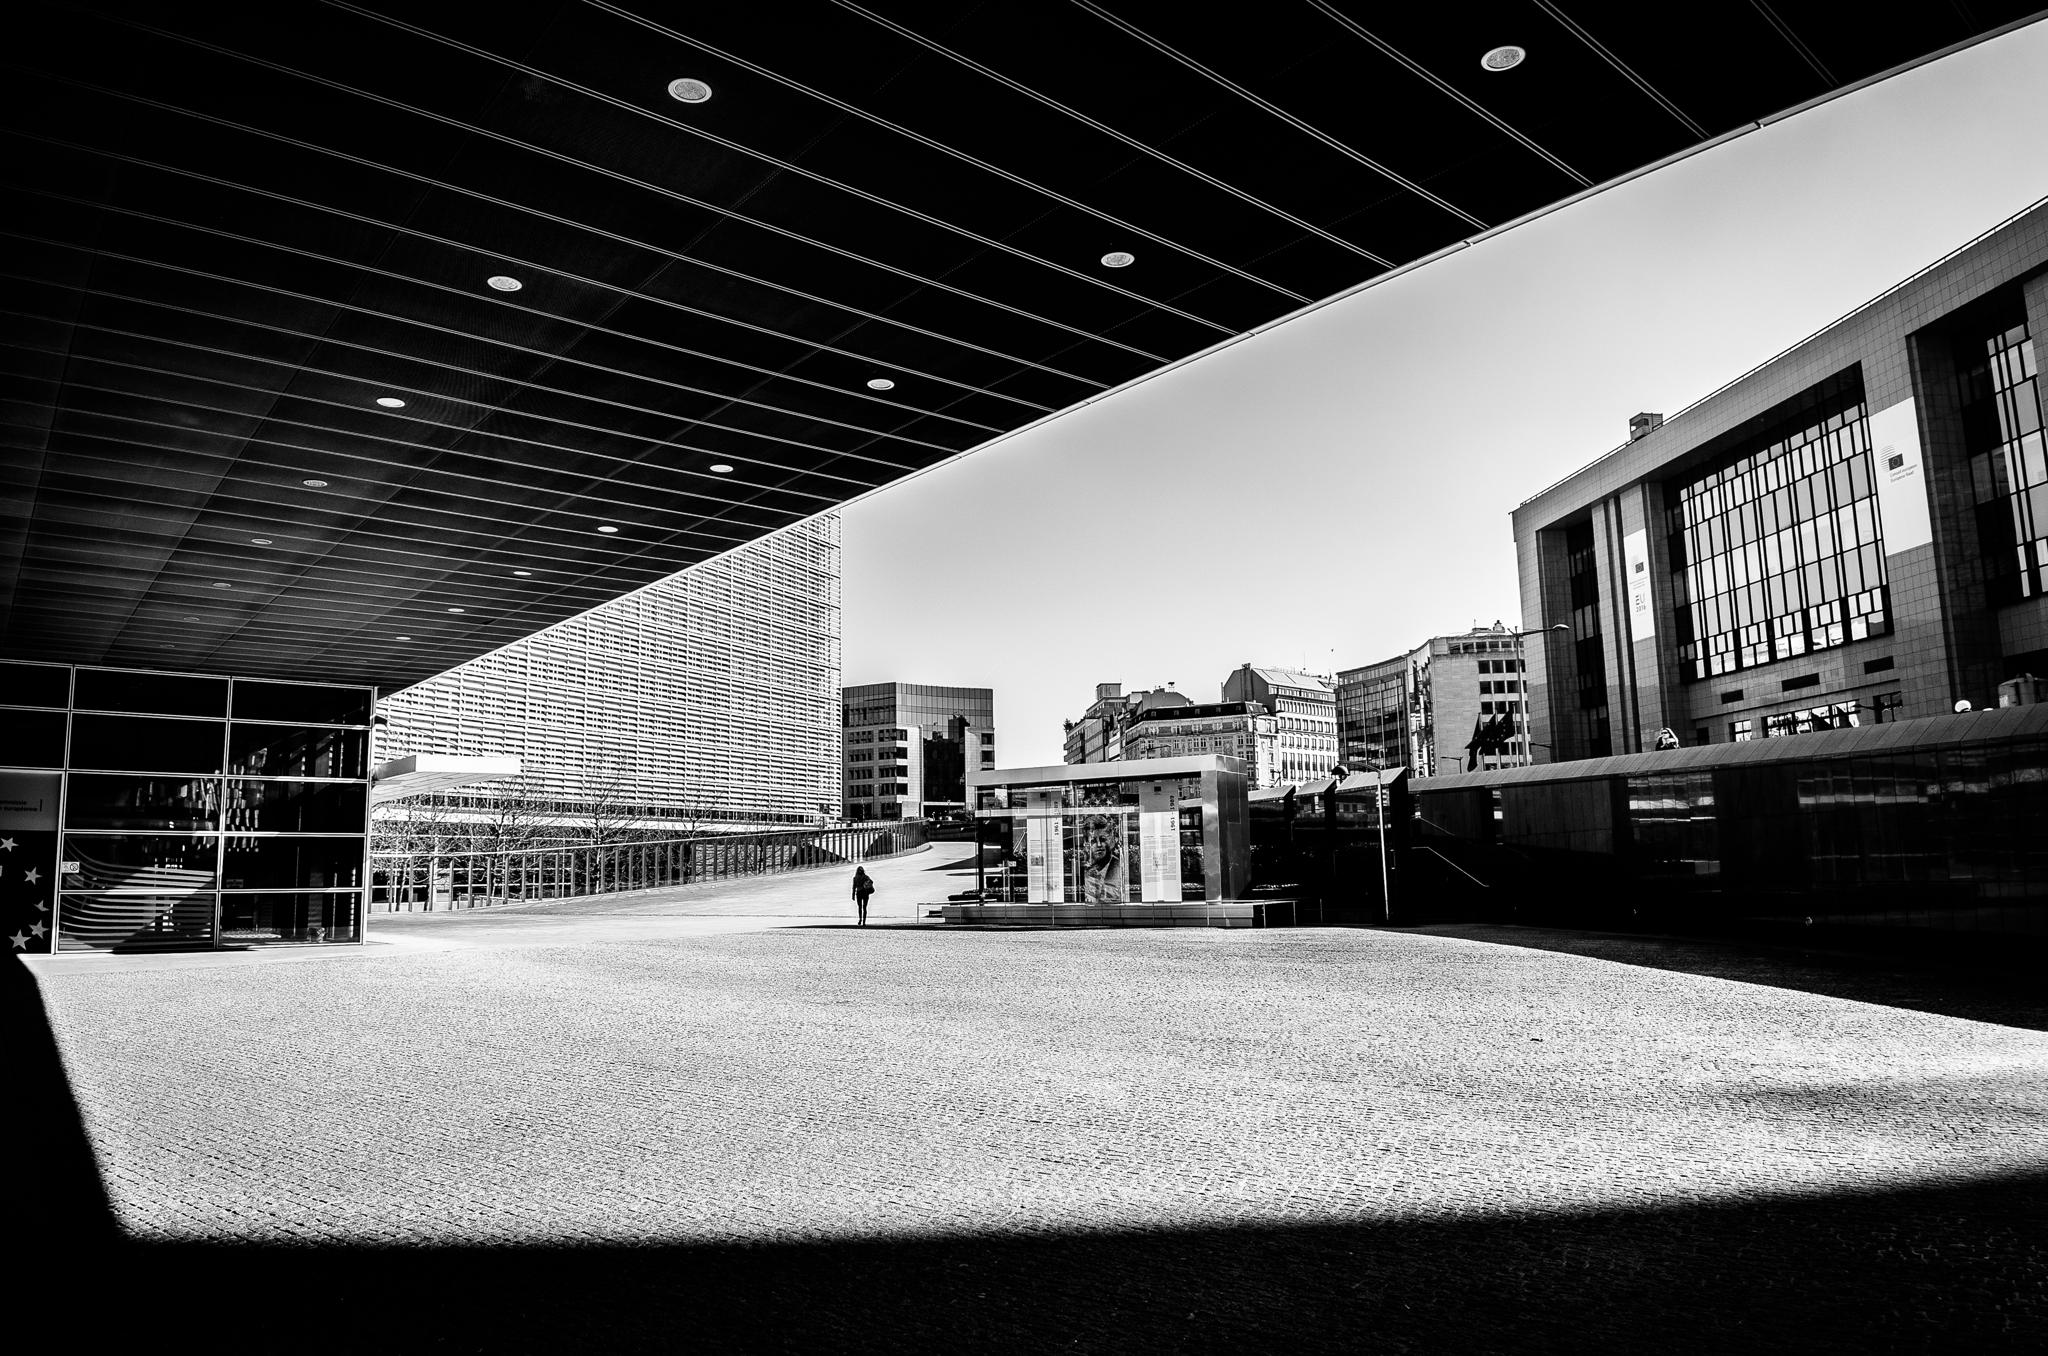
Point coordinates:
[(256, 920), (135, 922), (301, 702), (161, 694), (34, 685), (34, 739), (163, 863), (139, 744), (292, 863), (298, 807), (102, 802), (282, 751)]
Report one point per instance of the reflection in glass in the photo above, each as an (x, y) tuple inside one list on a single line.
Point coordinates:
[(256, 920), (301, 702), (140, 744), (292, 863), (163, 863), (34, 738), (160, 694), (98, 801), (297, 807), (34, 685), (287, 751), (135, 922)]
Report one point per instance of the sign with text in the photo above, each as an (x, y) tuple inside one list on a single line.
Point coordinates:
[(1159, 855), (1642, 610), (1901, 484)]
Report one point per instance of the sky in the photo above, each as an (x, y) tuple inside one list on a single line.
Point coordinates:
[(1337, 489)]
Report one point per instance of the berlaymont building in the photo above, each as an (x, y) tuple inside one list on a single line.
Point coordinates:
[(1855, 532)]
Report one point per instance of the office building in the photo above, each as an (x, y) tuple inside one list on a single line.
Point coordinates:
[(1430, 708), (908, 747), (711, 696), (1245, 731), (1304, 709), (1856, 531), (1097, 737)]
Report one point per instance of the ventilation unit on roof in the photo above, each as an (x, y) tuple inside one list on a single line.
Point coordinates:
[(1640, 426)]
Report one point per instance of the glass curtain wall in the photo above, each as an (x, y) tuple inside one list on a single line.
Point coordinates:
[(1589, 652), (197, 811), (1780, 551), (2002, 432)]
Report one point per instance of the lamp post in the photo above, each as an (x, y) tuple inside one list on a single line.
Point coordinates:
[(1379, 767)]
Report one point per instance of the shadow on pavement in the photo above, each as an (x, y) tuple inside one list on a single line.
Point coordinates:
[(1955, 1268), (1958, 1269), (1980, 994)]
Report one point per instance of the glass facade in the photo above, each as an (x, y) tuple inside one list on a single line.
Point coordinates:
[(1779, 550), (1923, 831), (710, 695), (2003, 435), (1589, 643), (170, 810), (1098, 841), (909, 746), (1373, 715)]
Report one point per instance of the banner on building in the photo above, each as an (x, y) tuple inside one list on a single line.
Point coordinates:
[(1901, 484), (1642, 609)]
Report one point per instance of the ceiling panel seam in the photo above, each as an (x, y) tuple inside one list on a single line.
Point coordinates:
[(522, 382), (899, 129), (702, 204), (1141, 147), (1298, 124), (789, 167), (639, 507), (709, 478), (1599, 49), (540, 214), (1450, 91)]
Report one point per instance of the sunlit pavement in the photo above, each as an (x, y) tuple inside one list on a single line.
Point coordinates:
[(596, 1079)]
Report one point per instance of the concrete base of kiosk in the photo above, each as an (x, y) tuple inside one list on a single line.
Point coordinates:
[(1195, 913)]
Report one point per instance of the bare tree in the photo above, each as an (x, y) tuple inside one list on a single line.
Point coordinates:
[(609, 811)]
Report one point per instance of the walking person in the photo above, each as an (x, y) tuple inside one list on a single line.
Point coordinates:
[(863, 886)]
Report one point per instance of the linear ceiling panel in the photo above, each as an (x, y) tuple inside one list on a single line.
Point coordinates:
[(324, 324)]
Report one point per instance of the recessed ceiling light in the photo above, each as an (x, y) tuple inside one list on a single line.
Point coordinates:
[(607, 528), (689, 91), (1118, 259), (881, 384), (524, 574), (504, 283), (314, 484), (191, 619), (401, 637), (259, 541), (391, 402), (721, 468), (222, 584), (1503, 59), (455, 609)]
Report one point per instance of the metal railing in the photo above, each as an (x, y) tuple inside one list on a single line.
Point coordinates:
[(420, 882)]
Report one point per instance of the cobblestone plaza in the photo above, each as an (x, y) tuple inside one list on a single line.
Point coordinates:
[(687, 1071)]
